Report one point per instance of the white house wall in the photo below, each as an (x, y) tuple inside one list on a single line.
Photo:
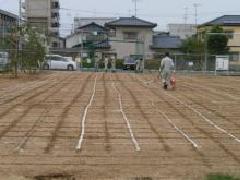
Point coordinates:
[(125, 48)]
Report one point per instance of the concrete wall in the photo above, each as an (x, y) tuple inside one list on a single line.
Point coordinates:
[(73, 40), (126, 48), (38, 8), (38, 14)]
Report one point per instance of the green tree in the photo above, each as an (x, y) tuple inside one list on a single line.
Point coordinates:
[(10, 44), (34, 52), (193, 45), (217, 41)]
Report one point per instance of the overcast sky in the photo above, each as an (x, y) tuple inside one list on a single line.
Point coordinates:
[(161, 12)]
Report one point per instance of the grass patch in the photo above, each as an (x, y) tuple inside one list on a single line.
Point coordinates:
[(220, 177)]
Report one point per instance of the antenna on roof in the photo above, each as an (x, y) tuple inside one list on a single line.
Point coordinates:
[(135, 6)]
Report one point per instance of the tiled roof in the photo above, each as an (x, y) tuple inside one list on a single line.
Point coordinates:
[(164, 41), (130, 21), (225, 20)]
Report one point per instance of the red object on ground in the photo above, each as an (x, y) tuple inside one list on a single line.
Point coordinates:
[(173, 81)]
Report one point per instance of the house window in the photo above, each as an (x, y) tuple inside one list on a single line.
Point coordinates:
[(112, 33), (55, 5), (54, 44), (130, 35)]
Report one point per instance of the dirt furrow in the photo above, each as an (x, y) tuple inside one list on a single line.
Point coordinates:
[(29, 98), (138, 104), (25, 93), (64, 114), (36, 123), (107, 137), (186, 118), (25, 112), (216, 113)]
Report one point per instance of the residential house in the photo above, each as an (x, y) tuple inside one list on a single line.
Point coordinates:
[(88, 38), (164, 42), (130, 36), (231, 26), (82, 21)]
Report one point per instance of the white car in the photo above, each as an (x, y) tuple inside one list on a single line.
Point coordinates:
[(58, 62)]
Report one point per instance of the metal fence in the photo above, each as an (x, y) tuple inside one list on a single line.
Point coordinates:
[(196, 63), (13, 58)]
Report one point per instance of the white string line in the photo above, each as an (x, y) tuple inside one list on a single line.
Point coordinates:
[(136, 144), (195, 145), (205, 118), (79, 145), (202, 116)]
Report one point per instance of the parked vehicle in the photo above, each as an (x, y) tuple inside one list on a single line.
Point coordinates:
[(57, 62), (4, 61), (129, 62)]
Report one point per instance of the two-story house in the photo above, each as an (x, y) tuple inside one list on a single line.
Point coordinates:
[(131, 36), (230, 25), (88, 38)]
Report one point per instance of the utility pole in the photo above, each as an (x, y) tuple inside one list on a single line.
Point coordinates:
[(20, 12), (185, 17), (20, 23), (196, 6)]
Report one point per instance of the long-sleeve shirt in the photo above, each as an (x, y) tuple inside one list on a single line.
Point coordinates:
[(167, 64)]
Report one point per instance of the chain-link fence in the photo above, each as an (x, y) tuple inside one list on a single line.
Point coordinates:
[(13, 61), (197, 63)]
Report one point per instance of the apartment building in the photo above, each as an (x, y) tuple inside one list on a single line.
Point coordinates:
[(184, 31), (7, 21), (43, 15)]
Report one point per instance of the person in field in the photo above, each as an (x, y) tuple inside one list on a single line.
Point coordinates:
[(106, 64), (166, 70)]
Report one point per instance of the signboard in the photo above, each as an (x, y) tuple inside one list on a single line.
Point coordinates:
[(222, 63)]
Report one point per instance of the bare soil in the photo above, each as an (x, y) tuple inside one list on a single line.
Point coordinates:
[(41, 124)]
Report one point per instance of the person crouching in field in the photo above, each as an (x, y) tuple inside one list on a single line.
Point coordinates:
[(166, 70)]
